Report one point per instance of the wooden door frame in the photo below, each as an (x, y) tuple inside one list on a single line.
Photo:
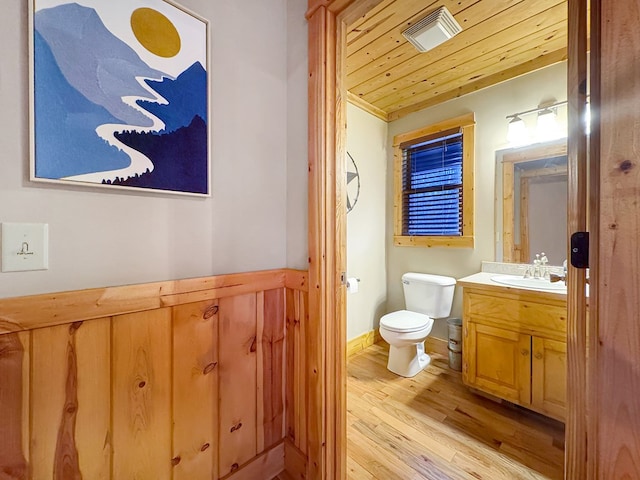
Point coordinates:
[(326, 333), (576, 444), (325, 340)]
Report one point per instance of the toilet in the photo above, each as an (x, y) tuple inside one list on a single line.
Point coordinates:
[(426, 297)]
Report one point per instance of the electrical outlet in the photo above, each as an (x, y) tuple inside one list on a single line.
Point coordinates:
[(25, 246)]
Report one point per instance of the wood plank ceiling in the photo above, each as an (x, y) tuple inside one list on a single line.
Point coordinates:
[(500, 39)]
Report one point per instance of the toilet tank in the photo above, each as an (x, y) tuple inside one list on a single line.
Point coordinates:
[(428, 294)]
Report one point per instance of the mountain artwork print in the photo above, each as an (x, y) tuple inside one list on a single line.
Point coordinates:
[(120, 95)]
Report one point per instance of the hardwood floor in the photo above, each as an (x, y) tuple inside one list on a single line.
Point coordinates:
[(432, 427)]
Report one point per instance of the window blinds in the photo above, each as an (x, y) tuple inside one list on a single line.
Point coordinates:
[(432, 186)]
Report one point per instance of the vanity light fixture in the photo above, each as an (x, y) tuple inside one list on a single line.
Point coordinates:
[(547, 127)]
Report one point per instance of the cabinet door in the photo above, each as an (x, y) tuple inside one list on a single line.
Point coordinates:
[(498, 362), (549, 377)]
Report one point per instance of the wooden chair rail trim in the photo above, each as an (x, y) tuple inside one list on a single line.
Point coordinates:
[(295, 461), (46, 310), (267, 464)]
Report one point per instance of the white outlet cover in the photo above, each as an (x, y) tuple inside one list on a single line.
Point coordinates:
[(25, 246)]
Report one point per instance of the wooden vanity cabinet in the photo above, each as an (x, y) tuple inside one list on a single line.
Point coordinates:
[(549, 377), (498, 362), (514, 347)]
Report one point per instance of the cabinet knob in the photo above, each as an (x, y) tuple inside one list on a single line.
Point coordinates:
[(524, 352), (538, 355)]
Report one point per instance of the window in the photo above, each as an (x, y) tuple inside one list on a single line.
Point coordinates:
[(434, 185)]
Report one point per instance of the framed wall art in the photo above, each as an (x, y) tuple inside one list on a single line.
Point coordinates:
[(119, 95)]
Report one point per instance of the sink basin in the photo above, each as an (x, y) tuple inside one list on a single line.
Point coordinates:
[(530, 283)]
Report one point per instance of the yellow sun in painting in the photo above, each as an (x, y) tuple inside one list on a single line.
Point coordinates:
[(155, 32)]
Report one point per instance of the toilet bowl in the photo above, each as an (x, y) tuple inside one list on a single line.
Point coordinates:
[(406, 332), (426, 297)]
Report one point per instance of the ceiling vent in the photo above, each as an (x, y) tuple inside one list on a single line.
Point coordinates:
[(434, 29)]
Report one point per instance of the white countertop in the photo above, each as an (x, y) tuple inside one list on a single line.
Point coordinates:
[(484, 279)]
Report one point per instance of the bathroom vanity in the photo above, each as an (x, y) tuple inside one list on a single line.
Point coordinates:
[(514, 343)]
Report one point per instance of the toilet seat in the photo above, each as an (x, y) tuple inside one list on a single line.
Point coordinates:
[(405, 321)]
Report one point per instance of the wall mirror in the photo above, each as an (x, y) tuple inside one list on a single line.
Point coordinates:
[(531, 203)]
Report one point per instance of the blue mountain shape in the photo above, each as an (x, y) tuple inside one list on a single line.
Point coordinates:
[(179, 158), (187, 97), (94, 61), (65, 121)]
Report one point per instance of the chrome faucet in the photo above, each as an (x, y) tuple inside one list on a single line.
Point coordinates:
[(539, 268)]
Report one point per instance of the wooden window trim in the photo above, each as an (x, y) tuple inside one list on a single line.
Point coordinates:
[(466, 123)]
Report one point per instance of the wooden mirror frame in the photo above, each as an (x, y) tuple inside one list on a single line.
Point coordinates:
[(325, 340)]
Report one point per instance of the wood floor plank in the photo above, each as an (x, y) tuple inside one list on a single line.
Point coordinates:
[(432, 427), (380, 461), (355, 471), (414, 454)]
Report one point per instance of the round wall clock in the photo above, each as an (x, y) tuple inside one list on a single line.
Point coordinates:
[(353, 183)]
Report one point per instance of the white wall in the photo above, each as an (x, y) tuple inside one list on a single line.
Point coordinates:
[(490, 105), (100, 238), (366, 142), (297, 164)]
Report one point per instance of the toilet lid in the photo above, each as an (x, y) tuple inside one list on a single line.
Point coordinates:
[(405, 321)]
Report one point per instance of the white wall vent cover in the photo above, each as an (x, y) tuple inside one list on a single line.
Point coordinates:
[(434, 29)]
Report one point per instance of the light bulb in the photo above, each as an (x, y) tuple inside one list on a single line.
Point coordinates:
[(517, 132), (547, 127)]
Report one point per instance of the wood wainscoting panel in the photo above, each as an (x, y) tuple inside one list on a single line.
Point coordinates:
[(54, 364), (192, 391), (297, 316), (289, 399), (14, 397), (296, 320), (271, 364), (93, 426), (25, 339), (195, 391), (302, 317), (141, 365), (238, 380), (70, 401)]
